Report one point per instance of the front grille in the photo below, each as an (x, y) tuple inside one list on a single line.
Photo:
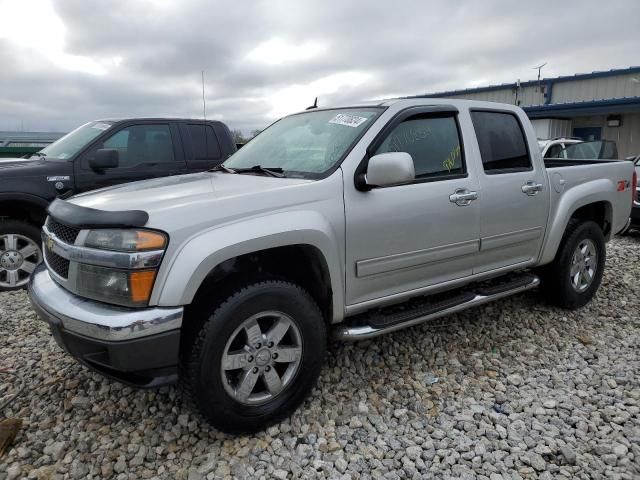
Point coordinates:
[(56, 263), (64, 233)]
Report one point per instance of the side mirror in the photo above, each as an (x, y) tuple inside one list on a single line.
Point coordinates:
[(391, 168), (105, 158)]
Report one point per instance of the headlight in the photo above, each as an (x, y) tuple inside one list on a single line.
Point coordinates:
[(125, 240), (122, 287), (130, 287)]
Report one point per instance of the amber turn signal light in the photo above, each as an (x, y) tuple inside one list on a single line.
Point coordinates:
[(141, 284)]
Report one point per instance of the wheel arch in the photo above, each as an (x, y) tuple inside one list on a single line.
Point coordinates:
[(23, 206), (300, 247), (599, 211)]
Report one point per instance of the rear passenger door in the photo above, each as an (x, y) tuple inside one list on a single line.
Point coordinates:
[(513, 192), (201, 146), (146, 150)]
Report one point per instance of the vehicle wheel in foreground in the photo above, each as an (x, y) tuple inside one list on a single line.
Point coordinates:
[(575, 275), (20, 252), (256, 357)]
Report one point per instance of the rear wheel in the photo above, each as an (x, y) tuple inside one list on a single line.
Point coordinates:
[(573, 278), (256, 357), (20, 252)]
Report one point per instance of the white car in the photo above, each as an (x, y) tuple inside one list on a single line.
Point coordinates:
[(553, 148)]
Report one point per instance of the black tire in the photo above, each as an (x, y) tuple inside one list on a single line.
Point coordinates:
[(22, 229), (201, 375), (556, 279)]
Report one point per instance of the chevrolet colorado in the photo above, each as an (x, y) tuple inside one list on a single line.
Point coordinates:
[(361, 220), (95, 155)]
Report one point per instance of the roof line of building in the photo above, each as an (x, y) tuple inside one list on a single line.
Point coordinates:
[(587, 107), (564, 78)]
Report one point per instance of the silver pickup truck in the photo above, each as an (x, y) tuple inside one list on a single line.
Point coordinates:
[(354, 221)]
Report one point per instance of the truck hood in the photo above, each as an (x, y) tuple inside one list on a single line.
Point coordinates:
[(196, 198), (20, 166), (31, 171)]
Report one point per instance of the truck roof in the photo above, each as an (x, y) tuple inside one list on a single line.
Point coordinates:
[(411, 101), (127, 119)]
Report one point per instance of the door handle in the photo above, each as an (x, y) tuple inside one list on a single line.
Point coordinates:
[(463, 197), (531, 188)]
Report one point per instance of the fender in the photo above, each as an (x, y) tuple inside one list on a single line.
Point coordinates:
[(179, 280), (25, 197), (599, 190)]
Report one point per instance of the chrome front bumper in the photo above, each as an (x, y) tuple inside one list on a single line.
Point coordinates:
[(95, 319), (140, 347)]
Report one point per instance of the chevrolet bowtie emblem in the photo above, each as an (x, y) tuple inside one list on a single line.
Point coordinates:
[(50, 243)]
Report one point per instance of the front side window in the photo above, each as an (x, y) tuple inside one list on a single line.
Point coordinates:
[(432, 142), (139, 144), (502, 143), (307, 144)]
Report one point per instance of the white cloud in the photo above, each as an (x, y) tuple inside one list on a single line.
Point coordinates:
[(297, 97), (276, 52), (33, 25)]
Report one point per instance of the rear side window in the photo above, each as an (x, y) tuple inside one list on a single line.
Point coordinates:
[(503, 146), (203, 147), (432, 142)]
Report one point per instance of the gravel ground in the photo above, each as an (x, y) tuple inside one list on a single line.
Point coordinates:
[(515, 389)]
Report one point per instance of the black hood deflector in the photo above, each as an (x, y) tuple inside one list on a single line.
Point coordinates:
[(74, 215)]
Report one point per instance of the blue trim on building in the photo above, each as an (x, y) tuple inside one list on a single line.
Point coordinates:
[(548, 81), (594, 107)]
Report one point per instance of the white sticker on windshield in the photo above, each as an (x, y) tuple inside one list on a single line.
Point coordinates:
[(348, 120), (101, 126)]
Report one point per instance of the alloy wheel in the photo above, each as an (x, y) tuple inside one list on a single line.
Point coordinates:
[(584, 263), (19, 256), (261, 358)]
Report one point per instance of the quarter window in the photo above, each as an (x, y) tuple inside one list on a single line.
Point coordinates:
[(503, 146), (433, 143)]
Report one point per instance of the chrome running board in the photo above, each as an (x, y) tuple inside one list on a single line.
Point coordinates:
[(364, 331)]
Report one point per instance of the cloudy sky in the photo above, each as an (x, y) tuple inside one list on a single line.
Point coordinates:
[(64, 62)]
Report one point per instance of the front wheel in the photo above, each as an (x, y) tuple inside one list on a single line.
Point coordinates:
[(256, 357), (573, 278), (20, 252)]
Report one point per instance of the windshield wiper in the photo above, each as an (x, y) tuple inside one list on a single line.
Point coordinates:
[(40, 154), (272, 171), (222, 168)]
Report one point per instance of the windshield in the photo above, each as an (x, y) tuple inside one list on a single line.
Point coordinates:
[(73, 142), (597, 150), (306, 144)]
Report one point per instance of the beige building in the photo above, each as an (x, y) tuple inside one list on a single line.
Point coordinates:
[(593, 106)]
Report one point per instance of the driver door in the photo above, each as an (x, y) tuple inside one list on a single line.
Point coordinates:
[(406, 237), (146, 150)]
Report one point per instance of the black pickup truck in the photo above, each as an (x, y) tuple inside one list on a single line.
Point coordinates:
[(95, 155)]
